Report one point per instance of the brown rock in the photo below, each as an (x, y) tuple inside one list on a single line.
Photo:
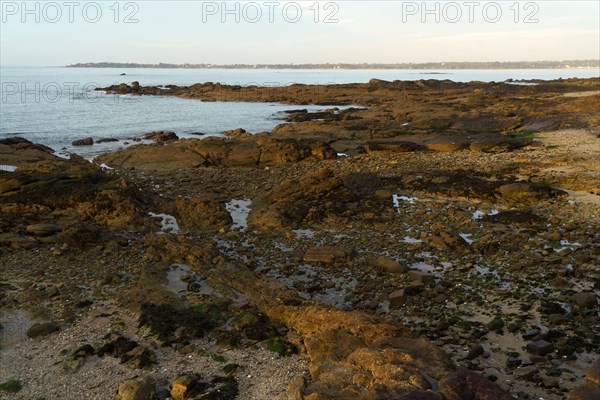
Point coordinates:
[(138, 388), (468, 385), (386, 263), (10, 185), (123, 88), (421, 276), (585, 299), (18, 151), (88, 141), (202, 213), (111, 207), (550, 382), (587, 391), (526, 372), (397, 298), (309, 199), (527, 192), (228, 152), (390, 146), (446, 240), (238, 133), (41, 329), (540, 347), (184, 386), (138, 358), (161, 136), (593, 375), (107, 140), (43, 229), (499, 145), (327, 255), (381, 392), (282, 151), (173, 156), (447, 145)]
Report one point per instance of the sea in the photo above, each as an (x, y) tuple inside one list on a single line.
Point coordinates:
[(56, 105)]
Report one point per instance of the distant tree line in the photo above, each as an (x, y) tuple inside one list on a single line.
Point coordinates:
[(429, 65)]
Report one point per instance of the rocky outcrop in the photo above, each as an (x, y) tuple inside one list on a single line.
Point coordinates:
[(154, 157), (413, 107), (351, 355), (16, 151), (294, 202), (355, 356), (70, 202), (216, 151)]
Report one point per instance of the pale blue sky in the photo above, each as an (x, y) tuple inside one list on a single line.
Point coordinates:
[(366, 31)]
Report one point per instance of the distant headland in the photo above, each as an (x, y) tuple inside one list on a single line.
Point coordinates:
[(429, 65)]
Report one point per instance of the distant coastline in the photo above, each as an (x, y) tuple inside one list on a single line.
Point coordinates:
[(567, 64)]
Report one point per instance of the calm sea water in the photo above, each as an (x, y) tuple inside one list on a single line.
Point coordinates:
[(55, 106)]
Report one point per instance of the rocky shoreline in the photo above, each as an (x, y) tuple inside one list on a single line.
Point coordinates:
[(435, 241)]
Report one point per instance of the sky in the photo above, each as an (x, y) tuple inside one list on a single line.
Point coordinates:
[(55, 33)]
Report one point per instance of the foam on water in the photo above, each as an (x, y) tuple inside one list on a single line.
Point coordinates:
[(168, 223)]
